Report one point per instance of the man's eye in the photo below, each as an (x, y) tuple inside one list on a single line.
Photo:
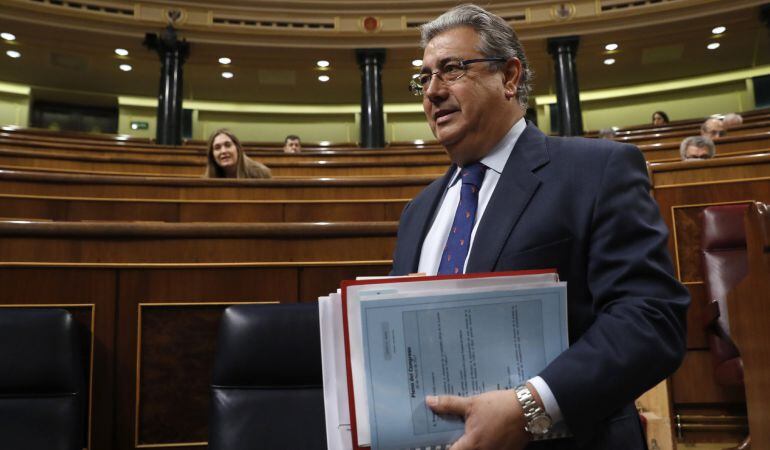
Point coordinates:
[(424, 79), (451, 68)]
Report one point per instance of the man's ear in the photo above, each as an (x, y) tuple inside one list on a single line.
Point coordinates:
[(511, 75)]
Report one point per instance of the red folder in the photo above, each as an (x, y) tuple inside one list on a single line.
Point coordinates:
[(346, 333)]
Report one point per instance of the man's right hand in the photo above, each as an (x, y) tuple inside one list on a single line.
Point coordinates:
[(493, 420)]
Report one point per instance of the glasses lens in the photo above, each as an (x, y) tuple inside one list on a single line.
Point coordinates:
[(452, 70), (414, 87)]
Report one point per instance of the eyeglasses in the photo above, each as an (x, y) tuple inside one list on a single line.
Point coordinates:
[(450, 72)]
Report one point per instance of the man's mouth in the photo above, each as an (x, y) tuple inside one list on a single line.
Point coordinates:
[(443, 115)]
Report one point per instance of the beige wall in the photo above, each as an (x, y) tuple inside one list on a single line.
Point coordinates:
[(14, 109), (635, 105), (128, 114), (406, 127), (403, 123), (681, 104), (263, 127)]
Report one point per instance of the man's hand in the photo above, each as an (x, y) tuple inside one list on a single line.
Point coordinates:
[(493, 420)]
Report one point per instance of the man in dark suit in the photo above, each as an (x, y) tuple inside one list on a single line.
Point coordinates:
[(517, 199)]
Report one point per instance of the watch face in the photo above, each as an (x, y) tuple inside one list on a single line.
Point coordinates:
[(540, 425)]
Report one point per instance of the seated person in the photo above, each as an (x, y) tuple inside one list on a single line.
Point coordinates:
[(606, 133), (712, 128), (226, 158), (292, 144), (659, 118), (697, 147), (732, 120)]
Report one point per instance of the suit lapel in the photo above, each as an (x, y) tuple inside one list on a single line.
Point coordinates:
[(424, 211), (513, 192)]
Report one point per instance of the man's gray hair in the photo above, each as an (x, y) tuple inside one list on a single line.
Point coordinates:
[(697, 141), (496, 37)]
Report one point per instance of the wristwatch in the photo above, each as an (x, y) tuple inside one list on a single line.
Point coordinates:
[(538, 421)]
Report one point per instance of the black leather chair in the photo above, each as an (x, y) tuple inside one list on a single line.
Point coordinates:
[(267, 390), (41, 380)]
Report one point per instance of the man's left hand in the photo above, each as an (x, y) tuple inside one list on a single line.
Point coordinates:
[(493, 420)]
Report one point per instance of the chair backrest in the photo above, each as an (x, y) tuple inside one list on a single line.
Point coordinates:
[(41, 380), (725, 264), (267, 390)]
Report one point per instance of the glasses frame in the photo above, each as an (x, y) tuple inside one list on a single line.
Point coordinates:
[(418, 89)]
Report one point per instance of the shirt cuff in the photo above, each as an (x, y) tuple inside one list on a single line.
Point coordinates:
[(549, 401)]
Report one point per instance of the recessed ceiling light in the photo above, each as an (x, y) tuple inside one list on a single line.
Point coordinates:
[(225, 60), (323, 78), (8, 36), (324, 143), (323, 63), (611, 47), (417, 62), (121, 51), (125, 67), (719, 30), (13, 54), (609, 61), (227, 75), (713, 46)]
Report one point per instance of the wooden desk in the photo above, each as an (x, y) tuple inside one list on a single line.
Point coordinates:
[(151, 334), (58, 208), (97, 186), (682, 191), (121, 242)]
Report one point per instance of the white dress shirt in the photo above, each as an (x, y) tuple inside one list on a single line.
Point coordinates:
[(433, 246)]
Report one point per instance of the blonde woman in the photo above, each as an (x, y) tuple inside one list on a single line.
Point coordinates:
[(226, 158)]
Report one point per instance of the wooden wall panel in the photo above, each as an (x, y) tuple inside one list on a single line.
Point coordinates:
[(696, 333), (73, 185), (195, 243), (694, 382), (681, 202), (177, 311), (237, 211), (89, 294), (704, 171), (322, 280), (176, 356)]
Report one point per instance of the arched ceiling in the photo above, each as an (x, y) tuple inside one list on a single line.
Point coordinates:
[(68, 45)]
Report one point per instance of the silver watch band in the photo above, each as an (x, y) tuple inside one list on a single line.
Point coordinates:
[(538, 421)]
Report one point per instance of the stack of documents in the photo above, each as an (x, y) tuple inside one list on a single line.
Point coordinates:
[(387, 343)]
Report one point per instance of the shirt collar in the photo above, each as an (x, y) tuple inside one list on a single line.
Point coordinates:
[(498, 156)]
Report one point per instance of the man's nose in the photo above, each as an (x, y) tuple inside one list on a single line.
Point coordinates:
[(436, 90)]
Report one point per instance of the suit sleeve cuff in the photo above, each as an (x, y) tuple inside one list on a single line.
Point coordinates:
[(549, 401)]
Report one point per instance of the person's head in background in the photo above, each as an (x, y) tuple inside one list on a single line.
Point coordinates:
[(225, 155), (292, 144), (732, 120), (712, 128), (697, 147), (606, 133), (659, 118), (226, 158)]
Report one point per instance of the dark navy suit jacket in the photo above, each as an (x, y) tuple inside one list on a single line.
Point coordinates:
[(581, 206)]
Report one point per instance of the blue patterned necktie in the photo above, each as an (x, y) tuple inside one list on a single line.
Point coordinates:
[(459, 240)]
